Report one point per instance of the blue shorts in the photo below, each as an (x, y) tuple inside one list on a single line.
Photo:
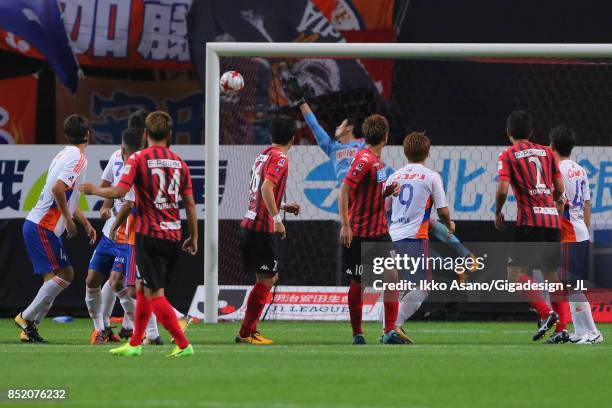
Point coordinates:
[(418, 249), (44, 248), (109, 256), (575, 261)]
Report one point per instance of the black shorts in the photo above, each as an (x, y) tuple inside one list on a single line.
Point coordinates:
[(260, 251), (351, 256), (546, 257), (155, 259)]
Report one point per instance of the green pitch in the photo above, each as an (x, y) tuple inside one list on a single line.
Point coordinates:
[(453, 365)]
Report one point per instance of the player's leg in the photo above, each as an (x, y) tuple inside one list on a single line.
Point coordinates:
[(260, 253), (351, 265), (100, 265), (390, 297), (50, 261)]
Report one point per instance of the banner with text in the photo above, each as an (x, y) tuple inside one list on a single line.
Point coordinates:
[(468, 173)]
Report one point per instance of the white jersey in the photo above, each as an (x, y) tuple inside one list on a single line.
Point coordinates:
[(420, 188), (69, 166), (576, 183), (112, 174)]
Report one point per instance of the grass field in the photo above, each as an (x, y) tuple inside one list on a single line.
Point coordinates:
[(313, 365)]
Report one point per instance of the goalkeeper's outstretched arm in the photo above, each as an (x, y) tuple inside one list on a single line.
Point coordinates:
[(323, 140)]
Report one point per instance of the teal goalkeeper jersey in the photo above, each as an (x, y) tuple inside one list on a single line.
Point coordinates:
[(341, 155)]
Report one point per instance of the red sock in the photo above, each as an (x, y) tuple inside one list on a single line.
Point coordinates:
[(255, 304), (391, 309), (141, 318), (166, 316), (355, 304), (533, 297), (563, 310)]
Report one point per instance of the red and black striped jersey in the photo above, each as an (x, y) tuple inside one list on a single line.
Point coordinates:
[(366, 177), (531, 168), (159, 176), (273, 165)]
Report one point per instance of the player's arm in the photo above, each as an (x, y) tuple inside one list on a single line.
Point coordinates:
[(323, 140), (59, 194), (267, 194), (107, 204), (346, 233), (104, 192), (558, 194), (439, 201), (501, 195), (91, 231), (191, 243), (587, 214), (121, 218)]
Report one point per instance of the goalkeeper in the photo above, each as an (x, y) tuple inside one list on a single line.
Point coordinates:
[(341, 150)]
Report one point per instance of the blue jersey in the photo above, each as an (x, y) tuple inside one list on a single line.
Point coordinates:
[(341, 155)]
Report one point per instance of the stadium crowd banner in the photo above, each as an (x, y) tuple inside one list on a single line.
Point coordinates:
[(108, 104), (289, 303), (469, 176), (120, 33), (18, 114)]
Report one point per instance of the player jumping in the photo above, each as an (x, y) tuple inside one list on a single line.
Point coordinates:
[(575, 221), (45, 224), (420, 189), (159, 177), (533, 172), (262, 227)]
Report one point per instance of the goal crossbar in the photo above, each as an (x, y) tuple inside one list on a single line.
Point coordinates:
[(355, 50)]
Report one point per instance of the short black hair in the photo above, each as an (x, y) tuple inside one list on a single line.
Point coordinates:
[(562, 139), (137, 119), (132, 139), (375, 128), (520, 124), (355, 122), (76, 128), (282, 130)]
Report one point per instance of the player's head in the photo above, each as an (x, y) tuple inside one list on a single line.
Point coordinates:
[(416, 147), (76, 129), (158, 126), (131, 142), (282, 130), (519, 125), (346, 127), (137, 119), (375, 130), (562, 140)]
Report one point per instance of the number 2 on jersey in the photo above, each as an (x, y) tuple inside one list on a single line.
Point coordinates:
[(173, 187)]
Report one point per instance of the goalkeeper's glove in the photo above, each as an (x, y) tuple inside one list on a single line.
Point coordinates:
[(299, 92)]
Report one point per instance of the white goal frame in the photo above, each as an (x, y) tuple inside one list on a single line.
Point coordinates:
[(356, 50)]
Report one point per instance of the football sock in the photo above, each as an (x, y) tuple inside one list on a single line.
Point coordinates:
[(165, 313), (128, 305), (45, 297), (141, 317), (152, 330), (43, 313), (409, 305), (93, 300), (533, 297), (391, 305), (108, 302), (255, 304), (355, 304), (578, 329), (561, 307)]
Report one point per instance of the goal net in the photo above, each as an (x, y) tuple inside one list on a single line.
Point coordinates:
[(461, 102)]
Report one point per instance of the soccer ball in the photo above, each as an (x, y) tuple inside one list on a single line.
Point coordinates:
[(231, 82)]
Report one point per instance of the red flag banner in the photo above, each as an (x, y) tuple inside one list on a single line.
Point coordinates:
[(18, 110)]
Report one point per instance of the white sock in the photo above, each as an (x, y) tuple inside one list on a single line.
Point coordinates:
[(129, 305), (578, 329), (45, 297), (151, 331), (108, 303), (39, 318), (93, 300), (178, 314), (585, 316), (409, 304)]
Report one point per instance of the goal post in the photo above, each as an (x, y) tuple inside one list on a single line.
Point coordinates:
[(342, 50)]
